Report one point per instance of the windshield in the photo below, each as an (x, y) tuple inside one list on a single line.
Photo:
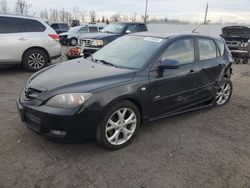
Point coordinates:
[(114, 28), (130, 52), (236, 31)]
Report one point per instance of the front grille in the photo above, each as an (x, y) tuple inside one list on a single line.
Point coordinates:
[(31, 93), (85, 42)]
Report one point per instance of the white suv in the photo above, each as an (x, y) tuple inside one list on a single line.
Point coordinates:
[(27, 41)]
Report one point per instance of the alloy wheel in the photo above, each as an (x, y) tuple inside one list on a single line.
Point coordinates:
[(36, 61), (121, 126), (223, 94)]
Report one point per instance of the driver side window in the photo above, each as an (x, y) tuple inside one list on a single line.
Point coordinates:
[(181, 50)]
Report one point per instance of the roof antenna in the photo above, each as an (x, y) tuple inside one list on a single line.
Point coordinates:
[(205, 21)]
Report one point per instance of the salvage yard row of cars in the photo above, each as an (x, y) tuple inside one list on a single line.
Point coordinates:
[(137, 78)]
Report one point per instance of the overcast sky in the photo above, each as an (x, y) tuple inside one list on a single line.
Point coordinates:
[(193, 10)]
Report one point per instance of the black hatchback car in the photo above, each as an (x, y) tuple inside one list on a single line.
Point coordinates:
[(137, 78)]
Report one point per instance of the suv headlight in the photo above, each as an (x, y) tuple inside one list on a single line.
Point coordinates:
[(97, 43), (68, 100), (244, 44)]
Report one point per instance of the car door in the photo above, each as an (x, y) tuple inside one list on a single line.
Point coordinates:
[(13, 40), (174, 89), (212, 63)]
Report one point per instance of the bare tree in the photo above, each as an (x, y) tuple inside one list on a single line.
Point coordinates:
[(103, 19), (44, 14), (82, 16), (22, 7), (133, 18), (76, 12), (116, 17), (92, 15), (53, 15), (4, 7)]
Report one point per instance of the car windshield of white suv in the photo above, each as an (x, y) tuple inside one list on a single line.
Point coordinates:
[(114, 28), (131, 52)]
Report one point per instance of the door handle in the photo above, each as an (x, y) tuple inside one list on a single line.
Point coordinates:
[(23, 39), (192, 72)]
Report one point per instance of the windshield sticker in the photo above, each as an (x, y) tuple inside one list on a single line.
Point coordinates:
[(152, 39)]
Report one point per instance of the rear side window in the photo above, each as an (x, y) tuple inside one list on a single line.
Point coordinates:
[(9, 25), (132, 28), (207, 49), (93, 29), (31, 25), (55, 26), (221, 47), (142, 27), (182, 51)]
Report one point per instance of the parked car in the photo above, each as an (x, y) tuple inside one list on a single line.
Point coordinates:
[(238, 40), (136, 78), (60, 27), (27, 41), (94, 42), (71, 37)]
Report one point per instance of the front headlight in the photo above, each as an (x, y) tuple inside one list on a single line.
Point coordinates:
[(68, 100), (97, 43), (244, 44)]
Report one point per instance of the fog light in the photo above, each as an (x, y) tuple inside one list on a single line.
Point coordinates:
[(58, 133)]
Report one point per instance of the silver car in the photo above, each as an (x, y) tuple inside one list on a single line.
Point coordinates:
[(71, 37), (28, 41)]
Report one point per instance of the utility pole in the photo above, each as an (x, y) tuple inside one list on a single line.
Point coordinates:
[(146, 12), (205, 20)]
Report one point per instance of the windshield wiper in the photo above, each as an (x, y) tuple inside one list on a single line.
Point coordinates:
[(105, 62)]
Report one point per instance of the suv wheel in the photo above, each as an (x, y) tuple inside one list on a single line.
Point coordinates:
[(119, 126), (73, 41), (35, 60), (224, 92)]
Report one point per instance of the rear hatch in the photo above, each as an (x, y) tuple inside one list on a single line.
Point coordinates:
[(236, 37)]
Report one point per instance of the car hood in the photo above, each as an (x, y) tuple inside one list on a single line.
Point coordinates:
[(79, 75), (97, 35), (236, 32)]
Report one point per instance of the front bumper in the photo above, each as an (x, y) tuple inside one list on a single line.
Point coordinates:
[(242, 54), (59, 123)]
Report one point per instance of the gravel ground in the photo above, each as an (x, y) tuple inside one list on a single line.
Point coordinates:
[(209, 148)]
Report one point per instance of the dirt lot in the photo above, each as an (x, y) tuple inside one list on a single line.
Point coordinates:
[(209, 148)]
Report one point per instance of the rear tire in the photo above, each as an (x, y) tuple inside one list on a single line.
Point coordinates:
[(224, 92), (119, 126), (245, 61), (35, 60)]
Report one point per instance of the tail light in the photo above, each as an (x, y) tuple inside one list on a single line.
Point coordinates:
[(55, 37)]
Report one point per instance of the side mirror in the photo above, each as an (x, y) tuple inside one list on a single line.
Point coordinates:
[(128, 32), (169, 64)]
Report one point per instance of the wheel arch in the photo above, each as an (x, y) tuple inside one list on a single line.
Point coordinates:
[(133, 100), (37, 47)]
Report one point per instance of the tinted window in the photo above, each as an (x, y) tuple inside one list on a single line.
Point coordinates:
[(221, 47), (64, 26), (55, 26), (31, 25), (142, 27), (207, 49), (132, 28), (181, 51), (93, 29), (9, 25)]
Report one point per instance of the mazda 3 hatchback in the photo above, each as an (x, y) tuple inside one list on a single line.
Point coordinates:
[(137, 78)]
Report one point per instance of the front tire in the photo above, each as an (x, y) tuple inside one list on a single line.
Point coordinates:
[(119, 126), (224, 92), (35, 60)]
